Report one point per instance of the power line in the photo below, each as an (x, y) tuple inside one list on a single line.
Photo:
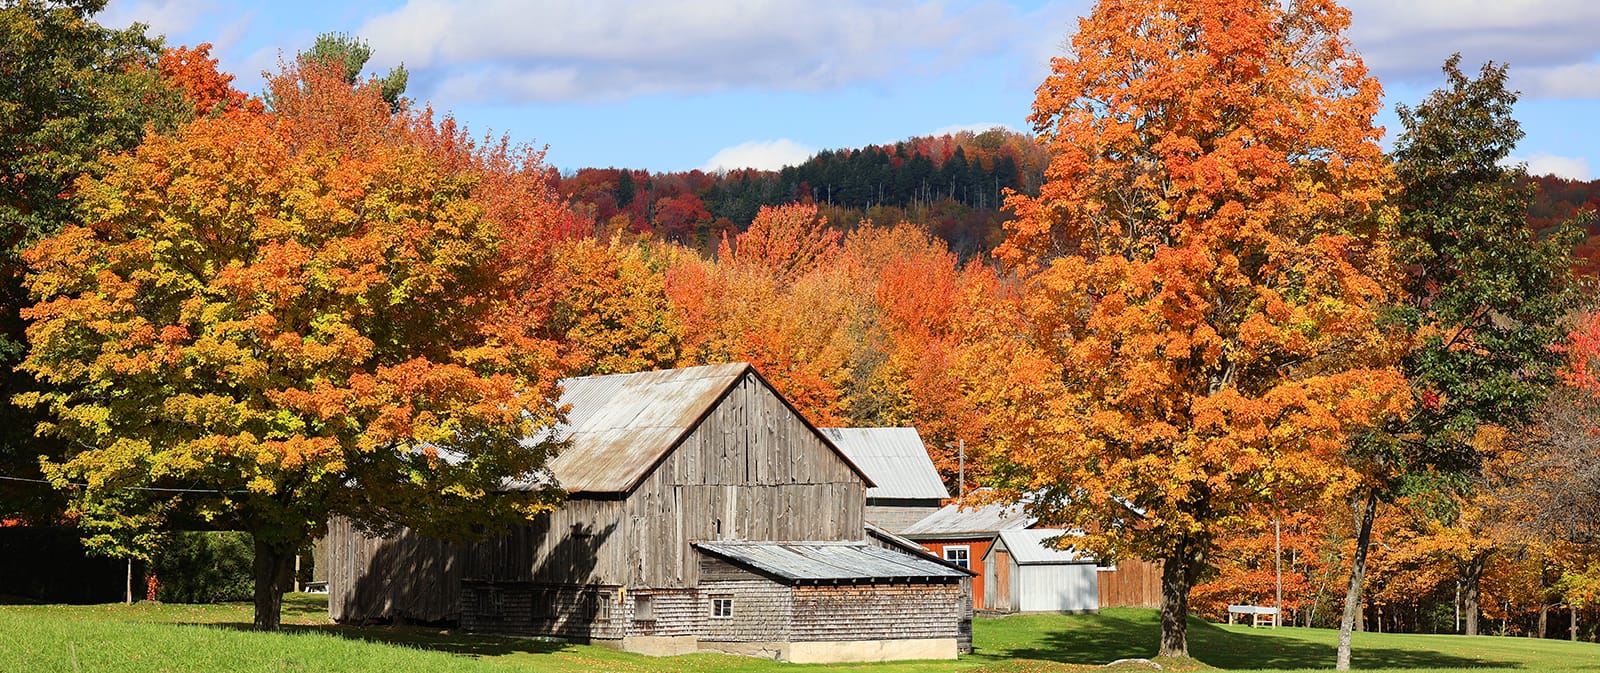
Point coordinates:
[(120, 488)]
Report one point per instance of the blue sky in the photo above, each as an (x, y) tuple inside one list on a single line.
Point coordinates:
[(678, 84)]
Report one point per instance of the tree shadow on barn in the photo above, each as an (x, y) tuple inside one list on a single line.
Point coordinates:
[(414, 588), (1127, 634)]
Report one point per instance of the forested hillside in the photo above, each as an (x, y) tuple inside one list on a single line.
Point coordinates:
[(952, 184)]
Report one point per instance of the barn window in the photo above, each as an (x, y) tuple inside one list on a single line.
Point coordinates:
[(959, 555), (643, 608), (722, 606)]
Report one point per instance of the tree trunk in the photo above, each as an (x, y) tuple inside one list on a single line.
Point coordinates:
[(1178, 571), (271, 570), (1469, 591), (1544, 619), (1358, 568)]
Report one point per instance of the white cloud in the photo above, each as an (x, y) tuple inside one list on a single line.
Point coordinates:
[(165, 17), (769, 155), (1549, 44), (1577, 81), (607, 49), (1571, 168)]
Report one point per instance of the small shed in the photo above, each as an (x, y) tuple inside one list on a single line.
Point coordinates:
[(961, 534), (906, 487), (805, 602), (1029, 574)]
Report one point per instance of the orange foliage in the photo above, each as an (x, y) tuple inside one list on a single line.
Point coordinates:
[(210, 91), (290, 304), (1205, 268)]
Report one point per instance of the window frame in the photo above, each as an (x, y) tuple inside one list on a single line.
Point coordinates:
[(721, 606), (644, 609), (966, 555)]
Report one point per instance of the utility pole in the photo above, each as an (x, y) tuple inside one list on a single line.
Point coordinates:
[(1277, 544)]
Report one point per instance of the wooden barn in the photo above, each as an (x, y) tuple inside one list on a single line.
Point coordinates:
[(704, 513), (906, 487)]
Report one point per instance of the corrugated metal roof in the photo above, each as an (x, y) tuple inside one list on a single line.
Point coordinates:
[(1031, 547), (827, 562), (954, 521), (908, 546), (894, 458), (619, 426)]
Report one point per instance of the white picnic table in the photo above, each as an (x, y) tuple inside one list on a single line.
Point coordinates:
[(1260, 615)]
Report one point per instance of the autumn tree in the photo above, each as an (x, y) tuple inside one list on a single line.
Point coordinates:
[(268, 319), (70, 90), (614, 314), (347, 55), (193, 72), (774, 297), (1482, 295), (1205, 270)]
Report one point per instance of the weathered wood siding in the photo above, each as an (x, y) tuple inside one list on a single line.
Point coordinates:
[(876, 612), (898, 515), (751, 470), (406, 577), (763, 611), (567, 611), (582, 542), (1133, 583)]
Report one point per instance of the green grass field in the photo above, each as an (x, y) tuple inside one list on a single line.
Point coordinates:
[(146, 637)]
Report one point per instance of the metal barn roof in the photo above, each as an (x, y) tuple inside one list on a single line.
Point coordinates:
[(894, 458), (828, 562), (619, 426), (954, 521), (1031, 547)]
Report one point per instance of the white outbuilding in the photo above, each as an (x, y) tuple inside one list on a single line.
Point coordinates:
[(1028, 574)]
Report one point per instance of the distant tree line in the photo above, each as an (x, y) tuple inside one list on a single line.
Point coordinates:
[(955, 183)]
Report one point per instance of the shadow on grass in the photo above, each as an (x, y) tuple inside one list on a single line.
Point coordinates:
[(1118, 635), (1233, 650), (308, 614), (436, 639)]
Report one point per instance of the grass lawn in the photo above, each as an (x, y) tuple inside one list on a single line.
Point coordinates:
[(146, 637)]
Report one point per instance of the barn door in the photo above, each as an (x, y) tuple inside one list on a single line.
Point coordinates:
[(1002, 581)]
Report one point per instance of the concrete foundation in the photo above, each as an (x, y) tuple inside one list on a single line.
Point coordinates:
[(823, 652), (660, 646)]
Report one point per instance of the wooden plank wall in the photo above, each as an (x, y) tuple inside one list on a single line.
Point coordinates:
[(897, 517), (406, 577), (581, 542), (752, 470), (1134, 584)]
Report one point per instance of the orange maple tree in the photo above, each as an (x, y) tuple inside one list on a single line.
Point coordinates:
[(1206, 267), (270, 318), (194, 72)]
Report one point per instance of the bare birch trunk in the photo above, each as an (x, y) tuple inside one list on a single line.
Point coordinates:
[(1358, 568)]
